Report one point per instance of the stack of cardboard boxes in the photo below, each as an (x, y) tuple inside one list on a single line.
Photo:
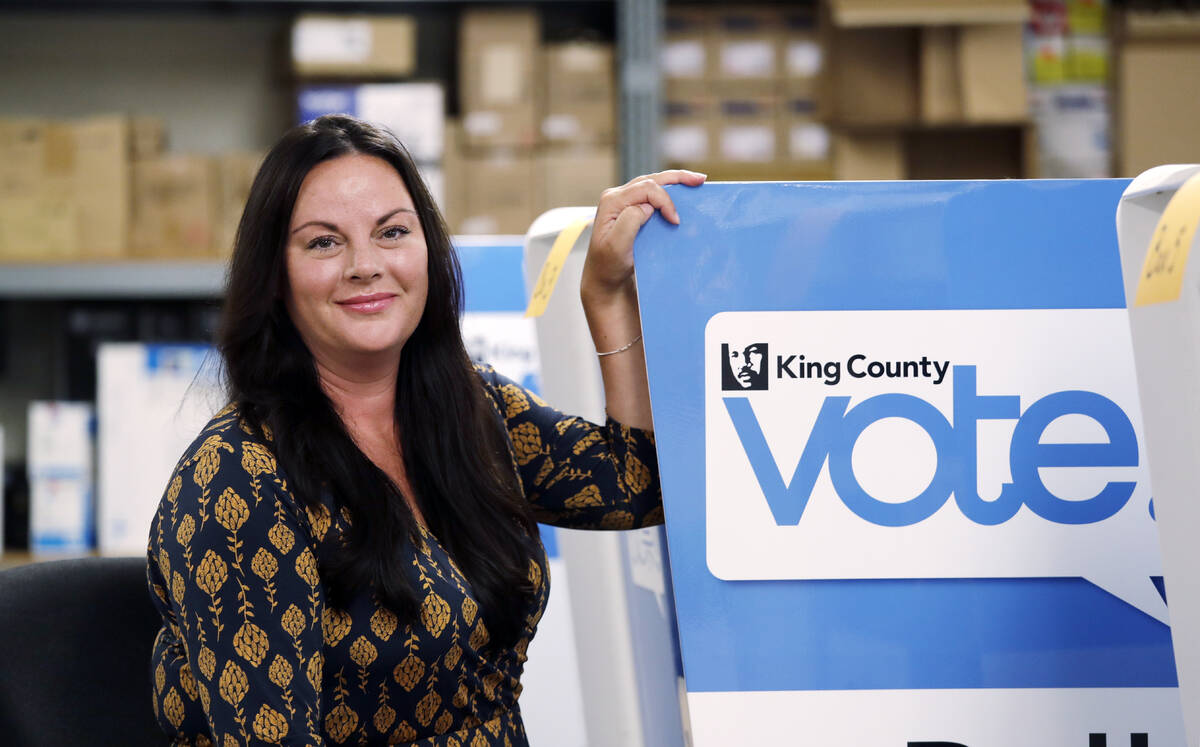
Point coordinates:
[(536, 127), (1158, 64), (363, 65), (853, 89), (101, 188), (188, 206), (744, 92), (930, 89), (537, 124)]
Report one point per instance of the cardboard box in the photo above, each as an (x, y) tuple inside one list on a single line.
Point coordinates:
[(579, 93), (747, 130), (501, 194), (61, 477), (37, 215), (685, 58), (927, 12), (414, 112), (575, 176), (868, 155), (972, 74), (23, 155), (64, 189), (103, 190), (874, 76), (497, 81), (1158, 64), (174, 207), (36, 228), (235, 175), (941, 85), (746, 50), (688, 136), (149, 136), (991, 69), (354, 46)]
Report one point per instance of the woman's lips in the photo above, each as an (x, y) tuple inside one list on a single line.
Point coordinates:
[(368, 304)]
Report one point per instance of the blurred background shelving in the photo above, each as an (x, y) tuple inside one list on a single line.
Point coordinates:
[(129, 131)]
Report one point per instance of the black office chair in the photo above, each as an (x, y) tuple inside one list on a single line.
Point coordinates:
[(75, 640)]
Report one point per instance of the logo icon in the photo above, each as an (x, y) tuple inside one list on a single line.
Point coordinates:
[(744, 368)]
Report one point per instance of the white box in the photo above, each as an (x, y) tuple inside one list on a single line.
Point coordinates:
[(1072, 131), (61, 442), (414, 112), (152, 401)]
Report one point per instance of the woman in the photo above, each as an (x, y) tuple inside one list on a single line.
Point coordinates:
[(347, 553)]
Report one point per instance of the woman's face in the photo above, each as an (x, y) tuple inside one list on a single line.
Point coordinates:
[(356, 261)]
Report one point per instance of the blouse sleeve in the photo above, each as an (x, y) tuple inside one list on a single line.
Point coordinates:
[(577, 474), (245, 593)]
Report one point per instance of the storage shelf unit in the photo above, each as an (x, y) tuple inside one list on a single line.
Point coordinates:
[(143, 280)]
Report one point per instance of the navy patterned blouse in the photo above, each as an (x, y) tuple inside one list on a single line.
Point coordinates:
[(249, 651)]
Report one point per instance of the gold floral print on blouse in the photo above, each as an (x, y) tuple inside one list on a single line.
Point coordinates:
[(249, 652)]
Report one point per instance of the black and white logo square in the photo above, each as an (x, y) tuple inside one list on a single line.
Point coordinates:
[(743, 367)]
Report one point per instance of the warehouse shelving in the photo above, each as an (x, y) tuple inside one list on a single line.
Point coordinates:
[(115, 280)]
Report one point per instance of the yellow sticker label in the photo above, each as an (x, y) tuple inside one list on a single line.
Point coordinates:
[(1166, 257), (553, 265)]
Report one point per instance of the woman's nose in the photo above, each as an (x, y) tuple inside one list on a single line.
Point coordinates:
[(363, 261)]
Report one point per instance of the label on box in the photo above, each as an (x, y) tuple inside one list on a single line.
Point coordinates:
[(804, 58), (1167, 255), (748, 143), (685, 142), (809, 141), (317, 40), (580, 58), (501, 73), (683, 59), (481, 124), (1047, 58), (748, 59), (561, 127), (1087, 59)]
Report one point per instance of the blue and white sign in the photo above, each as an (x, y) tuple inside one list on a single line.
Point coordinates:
[(923, 493), (494, 327)]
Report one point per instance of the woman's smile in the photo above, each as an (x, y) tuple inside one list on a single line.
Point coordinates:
[(371, 303)]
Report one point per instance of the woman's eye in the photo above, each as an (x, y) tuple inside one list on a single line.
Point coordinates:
[(395, 232), (321, 242)]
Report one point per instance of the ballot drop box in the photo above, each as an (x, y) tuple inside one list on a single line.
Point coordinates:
[(904, 469)]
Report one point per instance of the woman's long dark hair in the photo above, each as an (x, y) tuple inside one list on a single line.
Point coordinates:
[(452, 441)]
